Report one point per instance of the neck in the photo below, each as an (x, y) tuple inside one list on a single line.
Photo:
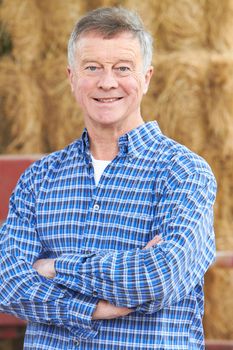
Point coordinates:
[(104, 140), (103, 147)]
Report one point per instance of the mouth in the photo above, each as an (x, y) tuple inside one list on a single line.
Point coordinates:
[(108, 99)]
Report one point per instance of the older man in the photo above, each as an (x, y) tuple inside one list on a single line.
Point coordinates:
[(81, 257)]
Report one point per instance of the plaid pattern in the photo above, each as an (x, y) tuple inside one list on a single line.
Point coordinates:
[(154, 186)]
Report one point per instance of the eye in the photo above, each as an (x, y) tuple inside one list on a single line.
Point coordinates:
[(91, 68), (123, 69)]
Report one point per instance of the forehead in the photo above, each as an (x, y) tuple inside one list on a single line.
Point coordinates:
[(94, 46)]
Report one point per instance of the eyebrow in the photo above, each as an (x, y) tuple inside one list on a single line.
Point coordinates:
[(87, 60), (126, 61)]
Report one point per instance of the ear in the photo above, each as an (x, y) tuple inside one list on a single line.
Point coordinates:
[(148, 76), (70, 74)]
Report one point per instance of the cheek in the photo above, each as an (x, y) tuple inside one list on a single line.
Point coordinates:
[(130, 85), (134, 87), (83, 88)]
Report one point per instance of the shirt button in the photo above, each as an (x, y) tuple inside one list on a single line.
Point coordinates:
[(95, 294), (77, 342), (96, 207)]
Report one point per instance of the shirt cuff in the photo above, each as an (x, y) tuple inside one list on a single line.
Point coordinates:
[(80, 312), (68, 267), (75, 313)]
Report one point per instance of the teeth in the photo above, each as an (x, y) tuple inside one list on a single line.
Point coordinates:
[(107, 99)]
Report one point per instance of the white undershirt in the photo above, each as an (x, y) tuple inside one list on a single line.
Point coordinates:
[(99, 166)]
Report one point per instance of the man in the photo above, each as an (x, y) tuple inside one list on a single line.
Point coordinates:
[(107, 241)]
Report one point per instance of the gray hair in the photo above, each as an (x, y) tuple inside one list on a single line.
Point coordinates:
[(110, 21)]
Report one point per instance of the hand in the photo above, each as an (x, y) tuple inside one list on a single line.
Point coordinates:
[(45, 267), (153, 242), (106, 311)]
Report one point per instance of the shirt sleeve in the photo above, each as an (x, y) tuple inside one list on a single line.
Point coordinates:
[(23, 292), (157, 277)]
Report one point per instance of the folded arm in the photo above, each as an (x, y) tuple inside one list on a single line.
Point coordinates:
[(104, 310), (163, 274)]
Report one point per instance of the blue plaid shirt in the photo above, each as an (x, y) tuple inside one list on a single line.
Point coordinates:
[(153, 187)]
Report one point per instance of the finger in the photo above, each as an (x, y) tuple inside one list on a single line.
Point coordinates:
[(156, 240)]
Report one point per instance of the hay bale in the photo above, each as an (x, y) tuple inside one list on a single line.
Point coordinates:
[(176, 97), (105, 3), (219, 19), (21, 19), (220, 102), (20, 111), (223, 170), (5, 41), (224, 209), (58, 18), (218, 304), (182, 25), (62, 121), (176, 25)]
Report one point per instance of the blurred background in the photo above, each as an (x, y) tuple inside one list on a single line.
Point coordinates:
[(191, 96)]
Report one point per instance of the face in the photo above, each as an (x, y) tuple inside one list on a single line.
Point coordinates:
[(108, 80)]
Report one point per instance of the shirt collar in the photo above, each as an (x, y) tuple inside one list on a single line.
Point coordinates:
[(136, 140), (131, 143)]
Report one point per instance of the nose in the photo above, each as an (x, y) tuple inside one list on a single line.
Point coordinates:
[(107, 80)]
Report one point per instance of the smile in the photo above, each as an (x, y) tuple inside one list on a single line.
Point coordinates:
[(108, 99)]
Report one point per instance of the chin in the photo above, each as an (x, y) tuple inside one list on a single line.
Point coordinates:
[(107, 120)]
